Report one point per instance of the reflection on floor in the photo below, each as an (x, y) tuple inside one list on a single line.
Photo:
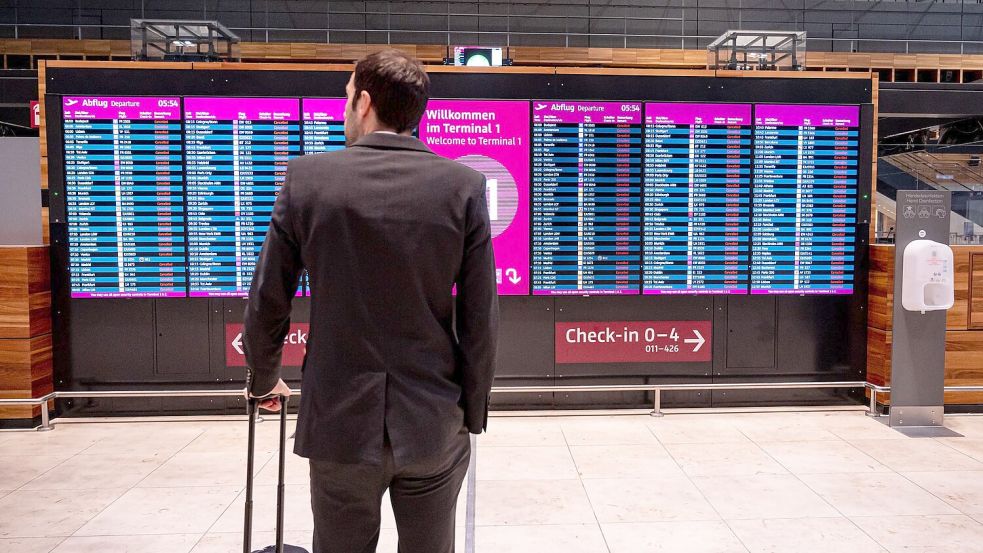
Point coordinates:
[(822, 481)]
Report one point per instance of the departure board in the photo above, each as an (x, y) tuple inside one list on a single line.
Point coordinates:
[(586, 182), (237, 151), (324, 124), (124, 196), (323, 131), (805, 199), (491, 137), (696, 198)]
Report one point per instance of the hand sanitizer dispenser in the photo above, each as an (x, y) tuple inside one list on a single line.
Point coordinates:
[(927, 280)]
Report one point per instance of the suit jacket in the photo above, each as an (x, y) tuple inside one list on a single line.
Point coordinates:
[(385, 229)]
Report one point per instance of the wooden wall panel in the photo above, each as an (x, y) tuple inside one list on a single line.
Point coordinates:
[(25, 327), (878, 356), (25, 291), (25, 372), (881, 287), (957, 318), (963, 343), (880, 282), (42, 135), (44, 173), (964, 365), (521, 55), (976, 291), (45, 231)]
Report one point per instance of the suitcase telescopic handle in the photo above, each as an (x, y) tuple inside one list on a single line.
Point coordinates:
[(252, 406)]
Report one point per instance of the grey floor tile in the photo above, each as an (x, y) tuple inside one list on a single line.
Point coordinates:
[(203, 469), (627, 430), (51, 513), (823, 457), (524, 503), (727, 459), (624, 461), (164, 543), (526, 463), (873, 494), (17, 470), (696, 429), (522, 431), (29, 545), (568, 538), (962, 490), (825, 535), (648, 500), (672, 537), (762, 496), (924, 534), (162, 511), (917, 454), (231, 542), (83, 472)]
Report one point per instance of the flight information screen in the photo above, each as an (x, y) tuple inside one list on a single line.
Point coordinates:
[(586, 187), (324, 124), (323, 131), (805, 199), (696, 198), (124, 196), (491, 137), (237, 151)]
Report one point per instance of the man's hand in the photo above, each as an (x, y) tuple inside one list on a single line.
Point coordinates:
[(273, 403)]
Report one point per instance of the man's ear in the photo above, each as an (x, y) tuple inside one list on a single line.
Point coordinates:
[(364, 102)]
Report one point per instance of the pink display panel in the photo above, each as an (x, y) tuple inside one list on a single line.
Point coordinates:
[(491, 136), (124, 192)]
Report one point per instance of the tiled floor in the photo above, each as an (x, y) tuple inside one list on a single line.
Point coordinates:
[(720, 482)]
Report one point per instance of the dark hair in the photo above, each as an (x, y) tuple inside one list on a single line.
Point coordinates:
[(398, 85)]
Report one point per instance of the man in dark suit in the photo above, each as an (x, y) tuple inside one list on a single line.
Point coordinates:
[(394, 376)]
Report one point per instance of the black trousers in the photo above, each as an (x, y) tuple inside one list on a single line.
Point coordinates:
[(347, 500)]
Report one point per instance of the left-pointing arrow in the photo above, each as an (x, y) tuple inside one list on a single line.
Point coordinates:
[(699, 340), (237, 344)]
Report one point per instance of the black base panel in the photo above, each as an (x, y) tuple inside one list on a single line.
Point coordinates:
[(20, 424)]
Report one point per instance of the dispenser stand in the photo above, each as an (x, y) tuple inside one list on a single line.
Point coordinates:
[(918, 339)]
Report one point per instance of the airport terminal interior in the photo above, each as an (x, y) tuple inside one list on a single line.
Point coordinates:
[(737, 254)]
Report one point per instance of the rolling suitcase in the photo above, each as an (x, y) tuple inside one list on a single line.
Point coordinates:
[(279, 547)]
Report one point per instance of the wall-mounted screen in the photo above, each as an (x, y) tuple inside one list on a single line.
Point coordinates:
[(805, 199), (124, 196), (237, 152), (696, 198), (492, 137), (477, 56), (324, 124), (586, 185), (170, 196)]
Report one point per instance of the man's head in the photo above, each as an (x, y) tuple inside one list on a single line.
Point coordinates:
[(388, 91)]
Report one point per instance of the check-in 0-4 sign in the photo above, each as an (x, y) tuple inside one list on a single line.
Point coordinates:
[(293, 345), (633, 342)]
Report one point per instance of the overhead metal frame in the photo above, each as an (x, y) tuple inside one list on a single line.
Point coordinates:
[(767, 50), (170, 40)]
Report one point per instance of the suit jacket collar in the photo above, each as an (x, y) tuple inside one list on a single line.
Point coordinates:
[(389, 141)]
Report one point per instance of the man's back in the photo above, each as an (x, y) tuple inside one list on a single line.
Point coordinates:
[(385, 228), (397, 371)]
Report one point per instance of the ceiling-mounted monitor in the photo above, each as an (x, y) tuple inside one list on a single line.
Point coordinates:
[(479, 56)]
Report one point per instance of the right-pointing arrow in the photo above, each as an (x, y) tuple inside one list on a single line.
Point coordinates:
[(699, 340)]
